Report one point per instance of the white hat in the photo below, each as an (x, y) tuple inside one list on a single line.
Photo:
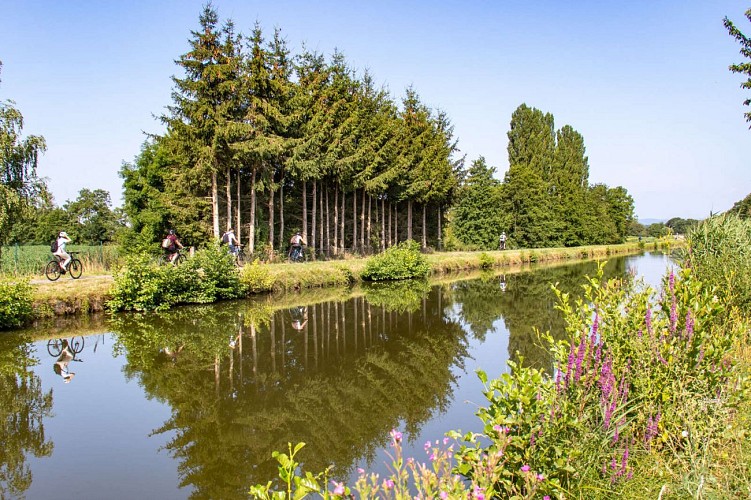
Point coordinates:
[(63, 233)]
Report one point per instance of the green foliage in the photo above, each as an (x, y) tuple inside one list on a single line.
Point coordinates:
[(486, 261), (15, 303), (720, 254), (403, 261), (476, 217), (18, 162), (142, 285), (256, 277), (743, 68)]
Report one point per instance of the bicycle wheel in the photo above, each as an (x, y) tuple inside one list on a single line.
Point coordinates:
[(54, 347), (180, 259), (75, 269), (52, 271), (76, 344)]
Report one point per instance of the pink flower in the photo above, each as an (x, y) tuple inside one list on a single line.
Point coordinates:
[(546, 497), (396, 436), (540, 477), (360, 470), (388, 484), (525, 468), (338, 488), (443, 495), (427, 445)]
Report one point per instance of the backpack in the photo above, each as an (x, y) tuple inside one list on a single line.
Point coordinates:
[(225, 238), (166, 243), (53, 246)]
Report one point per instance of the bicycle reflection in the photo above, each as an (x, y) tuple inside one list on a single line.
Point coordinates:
[(66, 351)]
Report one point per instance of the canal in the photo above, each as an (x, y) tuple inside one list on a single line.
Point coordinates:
[(191, 403)]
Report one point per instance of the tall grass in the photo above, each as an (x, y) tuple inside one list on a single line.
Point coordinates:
[(29, 260)]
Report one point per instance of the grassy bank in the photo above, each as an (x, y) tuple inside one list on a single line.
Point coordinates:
[(91, 293)]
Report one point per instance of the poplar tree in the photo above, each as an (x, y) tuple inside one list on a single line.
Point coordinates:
[(570, 181)]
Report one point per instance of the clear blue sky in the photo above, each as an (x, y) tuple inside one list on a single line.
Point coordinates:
[(645, 82)]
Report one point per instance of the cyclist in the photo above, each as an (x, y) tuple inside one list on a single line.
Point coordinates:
[(230, 239), (60, 253), (171, 246), (296, 243), (502, 241)]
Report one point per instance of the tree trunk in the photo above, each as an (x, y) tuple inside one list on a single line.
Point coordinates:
[(215, 204), (328, 224), (440, 242), (383, 223), (229, 198), (409, 219), (424, 230), (341, 229), (305, 211), (320, 222), (312, 240), (396, 223), (362, 222), (252, 228), (271, 220), (354, 220), (336, 219), (281, 215), (370, 213), (390, 227), (238, 221)]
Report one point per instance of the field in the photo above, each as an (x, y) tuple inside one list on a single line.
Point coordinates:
[(29, 260)]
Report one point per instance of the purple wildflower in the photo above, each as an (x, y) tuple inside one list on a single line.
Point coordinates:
[(580, 357), (570, 366), (396, 436), (338, 488), (648, 320), (525, 468), (689, 326), (388, 484)]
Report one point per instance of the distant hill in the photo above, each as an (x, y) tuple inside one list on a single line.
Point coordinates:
[(647, 222)]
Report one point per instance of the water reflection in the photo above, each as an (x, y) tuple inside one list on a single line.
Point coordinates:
[(23, 409), (334, 369)]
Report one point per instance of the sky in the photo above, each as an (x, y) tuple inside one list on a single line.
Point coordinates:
[(646, 83)]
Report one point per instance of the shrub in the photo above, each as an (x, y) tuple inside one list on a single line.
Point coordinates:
[(402, 261), (486, 261), (256, 278), (15, 303), (141, 285)]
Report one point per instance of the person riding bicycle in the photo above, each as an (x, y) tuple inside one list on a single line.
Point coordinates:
[(296, 243), (63, 256), (230, 239), (171, 248)]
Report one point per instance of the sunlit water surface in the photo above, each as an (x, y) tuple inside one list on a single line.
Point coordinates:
[(191, 403)]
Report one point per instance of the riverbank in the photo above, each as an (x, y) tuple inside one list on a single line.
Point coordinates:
[(90, 294)]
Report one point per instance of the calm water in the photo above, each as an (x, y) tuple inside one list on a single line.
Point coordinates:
[(193, 402)]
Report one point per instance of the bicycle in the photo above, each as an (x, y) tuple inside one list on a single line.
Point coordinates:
[(238, 255), (296, 254), (165, 258), (54, 267)]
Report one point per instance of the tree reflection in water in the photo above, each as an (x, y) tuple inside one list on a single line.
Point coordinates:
[(356, 370), (23, 407)]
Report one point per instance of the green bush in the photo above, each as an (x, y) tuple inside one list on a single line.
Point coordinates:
[(141, 285), (403, 261), (15, 303), (719, 253), (486, 261), (256, 277)]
